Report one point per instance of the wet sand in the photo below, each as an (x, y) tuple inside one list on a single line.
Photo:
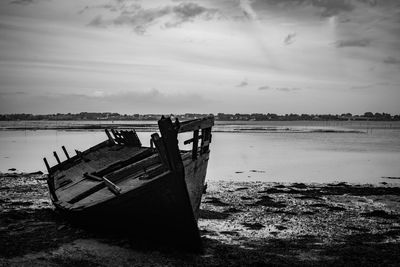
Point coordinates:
[(241, 223)]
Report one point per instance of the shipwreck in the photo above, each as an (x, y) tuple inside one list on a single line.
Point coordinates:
[(149, 193)]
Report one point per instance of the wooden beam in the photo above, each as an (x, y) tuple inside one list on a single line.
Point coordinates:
[(205, 140), (141, 154), (92, 177), (136, 137), (117, 137), (109, 136), (47, 165), (65, 152), (131, 138), (191, 140), (113, 187), (57, 158), (162, 152), (86, 193), (169, 135), (195, 144), (196, 124), (129, 170)]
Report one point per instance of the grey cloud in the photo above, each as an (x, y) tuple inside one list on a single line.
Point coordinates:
[(187, 11), (353, 43), (97, 22), (264, 88), (286, 89), (325, 8), (391, 60), (13, 93), (25, 2), (328, 7), (290, 38), (362, 87), (149, 98), (83, 10), (331, 8), (244, 83), (120, 6), (149, 101), (22, 2), (372, 85), (110, 7), (281, 89), (140, 19)]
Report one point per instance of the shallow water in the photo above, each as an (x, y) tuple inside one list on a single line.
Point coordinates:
[(355, 152)]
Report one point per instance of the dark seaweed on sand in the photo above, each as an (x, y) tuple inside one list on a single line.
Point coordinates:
[(215, 201), (242, 224)]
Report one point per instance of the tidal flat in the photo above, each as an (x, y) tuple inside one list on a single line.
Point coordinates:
[(241, 224)]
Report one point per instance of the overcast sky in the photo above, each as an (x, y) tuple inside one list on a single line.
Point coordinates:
[(281, 56)]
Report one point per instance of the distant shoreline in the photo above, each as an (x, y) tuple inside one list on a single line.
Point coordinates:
[(109, 116)]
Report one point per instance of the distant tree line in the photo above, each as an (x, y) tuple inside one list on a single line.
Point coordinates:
[(220, 116)]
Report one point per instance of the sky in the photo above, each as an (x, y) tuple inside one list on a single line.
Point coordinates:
[(202, 56)]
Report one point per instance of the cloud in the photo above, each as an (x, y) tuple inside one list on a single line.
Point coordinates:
[(361, 87), (12, 93), (353, 43), (244, 83), (146, 101), (391, 60), (290, 38), (140, 19), (264, 88), (22, 2), (281, 89), (373, 85), (331, 8), (327, 7), (25, 2), (97, 22), (287, 89)]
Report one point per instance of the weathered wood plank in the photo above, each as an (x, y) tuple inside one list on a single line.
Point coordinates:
[(101, 159), (75, 159), (141, 154), (205, 140), (57, 158), (129, 170), (111, 140), (196, 124), (162, 152), (113, 187), (126, 185), (92, 189), (169, 136), (117, 137), (65, 152), (195, 144), (195, 173), (47, 165), (77, 197), (186, 142)]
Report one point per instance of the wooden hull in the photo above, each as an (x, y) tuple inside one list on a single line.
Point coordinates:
[(152, 195)]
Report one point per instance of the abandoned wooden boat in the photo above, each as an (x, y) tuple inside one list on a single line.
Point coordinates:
[(152, 193)]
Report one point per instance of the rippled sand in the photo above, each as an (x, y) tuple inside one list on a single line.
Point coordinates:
[(241, 223)]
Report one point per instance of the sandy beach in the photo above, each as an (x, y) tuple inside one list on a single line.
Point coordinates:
[(241, 223)]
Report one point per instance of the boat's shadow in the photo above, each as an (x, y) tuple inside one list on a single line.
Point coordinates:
[(24, 231)]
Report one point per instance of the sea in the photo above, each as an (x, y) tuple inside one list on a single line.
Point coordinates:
[(356, 152)]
